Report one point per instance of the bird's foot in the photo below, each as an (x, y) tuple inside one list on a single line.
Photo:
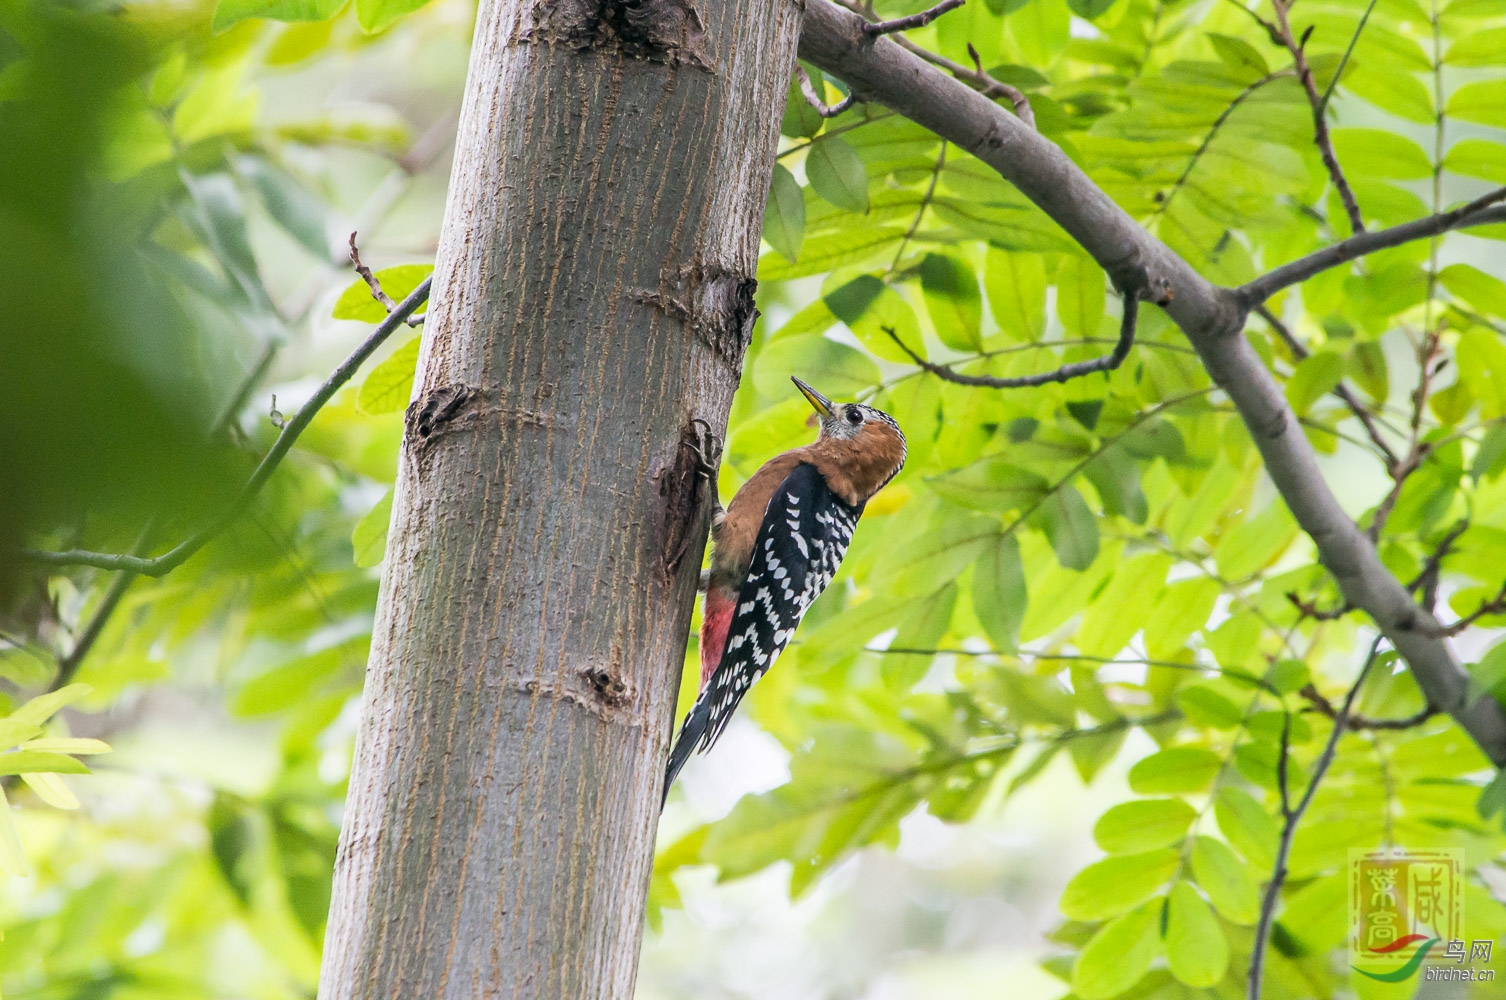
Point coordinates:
[(707, 449)]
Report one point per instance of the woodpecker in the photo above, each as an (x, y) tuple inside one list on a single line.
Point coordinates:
[(775, 548)]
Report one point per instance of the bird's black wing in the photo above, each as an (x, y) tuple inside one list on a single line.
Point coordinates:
[(804, 535)]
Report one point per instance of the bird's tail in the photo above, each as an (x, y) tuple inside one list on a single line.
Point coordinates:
[(692, 732)]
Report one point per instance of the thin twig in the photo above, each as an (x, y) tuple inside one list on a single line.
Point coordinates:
[(1213, 130), (1341, 390), (1293, 816), (1065, 373), (925, 17), (69, 664), (808, 90), (368, 277), (176, 556), (1320, 119), (920, 213), (985, 84), (1309, 609), (1349, 51), (375, 284), (1426, 579), (1323, 706), (1477, 213)]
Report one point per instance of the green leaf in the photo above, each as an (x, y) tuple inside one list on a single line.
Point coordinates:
[(1367, 366), (1289, 676), (378, 15), (1207, 703), (1240, 56), (1396, 91), (1175, 771), (12, 854), (68, 744), (1115, 476), (849, 789), (837, 174), (784, 216), (43, 707), (1486, 47), (1196, 950), (1143, 825), (1485, 292), (231, 12), (835, 369), (1016, 286), (1477, 158), (369, 538), (1247, 826), (1115, 885), (289, 684), (1080, 289), (1070, 526), (1257, 543), (1118, 956), (39, 761), (801, 121), (991, 484), (1482, 102), (1226, 880), (926, 620), (1482, 370), (999, 591), (871, 310), (956, 308), (294, 207), (1183, 609), (1489, 673), (390, 384), (1316, 376), (1090, 9), (398, 282), (1375, 152), (829, 251), (934, 557), (1119, 611)]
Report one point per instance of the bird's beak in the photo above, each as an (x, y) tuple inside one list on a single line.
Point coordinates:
[(821, 404)]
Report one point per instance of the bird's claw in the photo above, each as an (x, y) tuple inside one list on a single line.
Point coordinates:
[(706, 447)]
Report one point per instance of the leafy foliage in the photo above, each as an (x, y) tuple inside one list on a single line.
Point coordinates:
[(1095, 574)]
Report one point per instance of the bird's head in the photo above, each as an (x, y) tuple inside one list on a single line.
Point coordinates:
[(864, 441)]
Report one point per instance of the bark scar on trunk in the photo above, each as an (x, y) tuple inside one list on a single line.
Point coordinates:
[(600, 690), (664, 31), (429, 414), (715, 304), (680, 486)]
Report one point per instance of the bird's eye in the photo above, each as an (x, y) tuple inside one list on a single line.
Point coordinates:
[(854, 415)]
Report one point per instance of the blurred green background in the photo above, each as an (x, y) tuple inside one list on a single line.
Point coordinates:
[(1099, 568)]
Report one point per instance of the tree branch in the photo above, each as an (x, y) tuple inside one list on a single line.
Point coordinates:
[(808, 91), (1300, 351), (1323, 706), (375, 284), (1065, 373), (1320, 119), (1293, 816), (925, 17), (1477, 213), (176, 556), (1213, 319)]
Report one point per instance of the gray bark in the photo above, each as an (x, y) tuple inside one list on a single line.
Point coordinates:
[(1213, 319), (593, 295)]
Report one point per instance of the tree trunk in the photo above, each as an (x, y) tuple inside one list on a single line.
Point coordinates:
[(593, 295)]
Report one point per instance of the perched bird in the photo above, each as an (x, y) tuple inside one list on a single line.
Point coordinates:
[(774, 550)]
